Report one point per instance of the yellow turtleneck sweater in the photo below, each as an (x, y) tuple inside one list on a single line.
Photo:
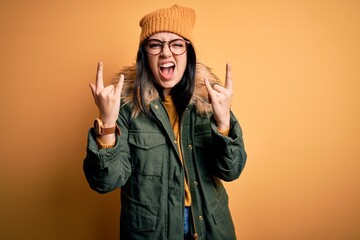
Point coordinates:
[(174, 121)]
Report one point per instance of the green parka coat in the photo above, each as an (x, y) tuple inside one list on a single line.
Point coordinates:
[(145, 164)]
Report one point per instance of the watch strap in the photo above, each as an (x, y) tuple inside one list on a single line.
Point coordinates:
[(106, 131), (111, 130), (101, 130)]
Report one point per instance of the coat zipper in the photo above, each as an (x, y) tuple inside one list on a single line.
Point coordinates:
[(195, 235)]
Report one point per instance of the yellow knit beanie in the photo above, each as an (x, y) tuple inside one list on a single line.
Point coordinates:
[(176, 19)]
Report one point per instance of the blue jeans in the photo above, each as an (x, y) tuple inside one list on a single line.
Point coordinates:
[(187, 222)]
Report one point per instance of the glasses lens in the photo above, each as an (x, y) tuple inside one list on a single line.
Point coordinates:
[(154, 46), (177, 46)]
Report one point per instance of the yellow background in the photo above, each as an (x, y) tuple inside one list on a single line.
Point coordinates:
[(296, 67)]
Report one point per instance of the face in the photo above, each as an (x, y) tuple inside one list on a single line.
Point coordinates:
[(166, 67)]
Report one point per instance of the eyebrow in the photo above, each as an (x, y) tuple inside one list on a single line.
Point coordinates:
[(165, 40)]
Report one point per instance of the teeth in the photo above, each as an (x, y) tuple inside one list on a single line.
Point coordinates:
[(167, 65)]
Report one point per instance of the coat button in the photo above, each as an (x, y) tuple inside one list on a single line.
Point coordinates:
[(196, 183), (175, 141), (156, 107), (201, 218), (190, 146)]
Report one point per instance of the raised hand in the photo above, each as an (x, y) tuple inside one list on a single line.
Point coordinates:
[(220, 98), (107, 98)]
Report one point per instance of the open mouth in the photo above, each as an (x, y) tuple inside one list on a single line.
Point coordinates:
[(167, 70)]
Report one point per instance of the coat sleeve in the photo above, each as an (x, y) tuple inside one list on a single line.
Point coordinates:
[(229, 151), (108, 169)]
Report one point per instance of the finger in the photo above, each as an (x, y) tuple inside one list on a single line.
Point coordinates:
[(228, 77), (99, 76), (108, 91), (93, 89), (218, 88), (120, 84), (208, 86), (209, 89)]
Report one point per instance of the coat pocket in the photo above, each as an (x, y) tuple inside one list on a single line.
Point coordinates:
[(138, 217), (202, 135), (147, 150), (221, 210), (221, 224)]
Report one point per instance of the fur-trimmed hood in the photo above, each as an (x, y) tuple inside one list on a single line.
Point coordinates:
[(199, 98)]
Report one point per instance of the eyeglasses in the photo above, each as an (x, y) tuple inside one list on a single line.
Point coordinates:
[(177, 46)]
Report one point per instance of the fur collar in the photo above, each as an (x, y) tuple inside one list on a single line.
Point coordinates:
[(199, 99)]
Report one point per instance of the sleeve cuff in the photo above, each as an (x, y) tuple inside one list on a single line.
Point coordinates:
[(225, 132)]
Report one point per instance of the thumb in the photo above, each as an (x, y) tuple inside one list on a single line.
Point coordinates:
[(120, 84), (93, 89)]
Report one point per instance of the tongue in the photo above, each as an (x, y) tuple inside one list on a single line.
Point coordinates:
[(167, 72)]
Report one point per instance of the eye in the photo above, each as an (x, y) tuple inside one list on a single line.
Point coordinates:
[(177, 43), (154, 44)]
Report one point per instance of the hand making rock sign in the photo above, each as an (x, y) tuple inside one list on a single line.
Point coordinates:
[(220, 98), (107, 99)]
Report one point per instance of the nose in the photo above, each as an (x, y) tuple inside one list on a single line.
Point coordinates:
[(165, 52)]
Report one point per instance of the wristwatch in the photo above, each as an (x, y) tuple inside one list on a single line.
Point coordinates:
[(101, 130)]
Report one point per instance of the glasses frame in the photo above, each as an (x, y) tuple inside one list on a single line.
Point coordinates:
[(163, 44)]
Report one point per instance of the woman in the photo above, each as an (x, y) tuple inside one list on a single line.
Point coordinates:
[(166, 137)]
